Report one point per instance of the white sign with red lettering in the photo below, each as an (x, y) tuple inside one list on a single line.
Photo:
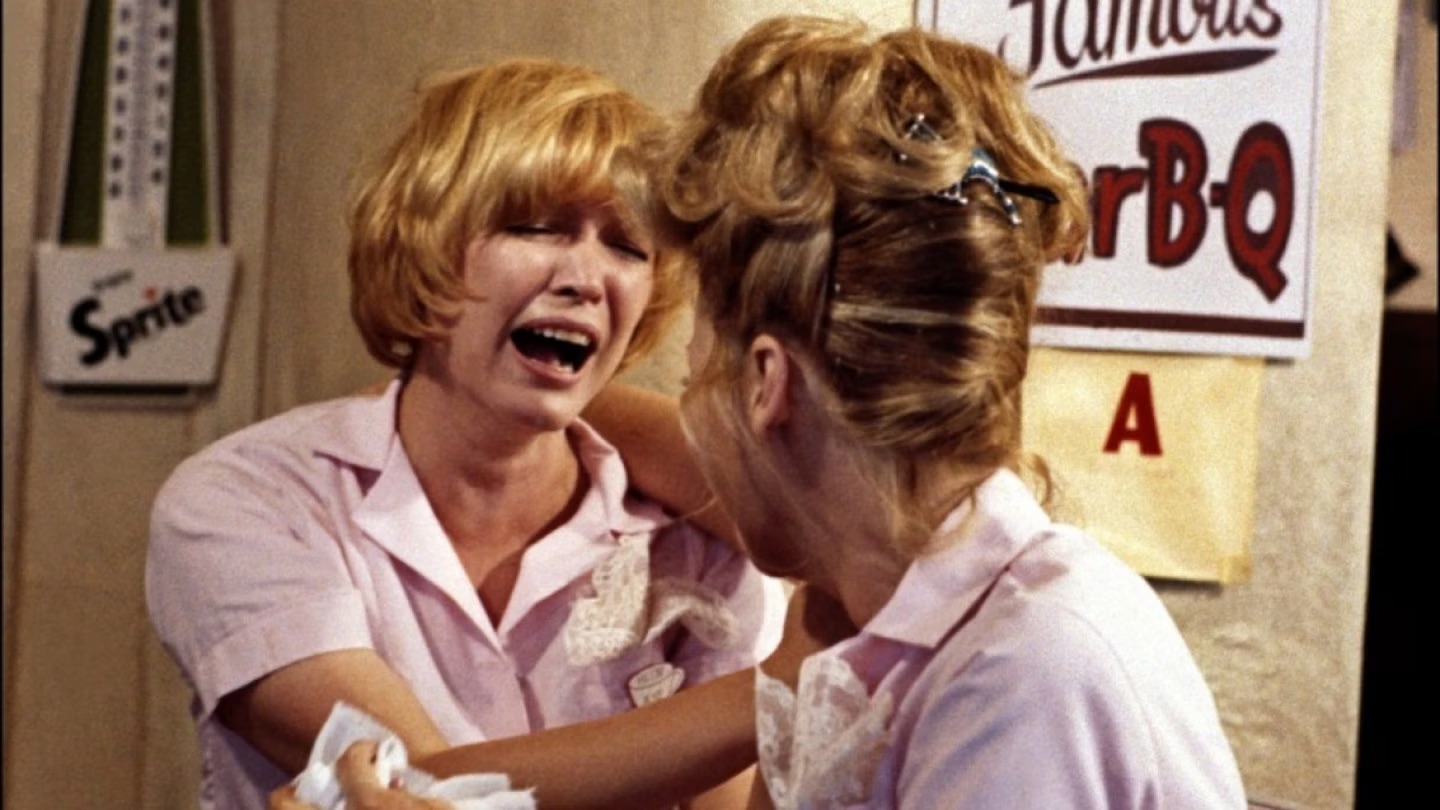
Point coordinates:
[(1198, 127)]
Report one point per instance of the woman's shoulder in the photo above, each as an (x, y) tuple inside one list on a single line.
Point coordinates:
[(1073, 645), (273, 453), (1068, 604)]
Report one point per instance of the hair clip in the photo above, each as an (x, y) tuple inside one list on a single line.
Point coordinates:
[(982, 169)]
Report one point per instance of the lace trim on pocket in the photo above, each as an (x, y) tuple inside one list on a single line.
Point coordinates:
[(627, 610)]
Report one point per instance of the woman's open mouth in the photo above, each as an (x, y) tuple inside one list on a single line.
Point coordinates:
[(565, 349)]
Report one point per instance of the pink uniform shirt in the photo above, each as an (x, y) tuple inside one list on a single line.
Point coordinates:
[(1024, 666), (309, 533)]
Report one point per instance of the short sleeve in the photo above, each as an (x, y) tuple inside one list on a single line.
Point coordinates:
[(244, 573), (1048, 722)]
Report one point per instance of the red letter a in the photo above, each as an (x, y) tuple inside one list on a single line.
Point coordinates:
[(1136, 400)]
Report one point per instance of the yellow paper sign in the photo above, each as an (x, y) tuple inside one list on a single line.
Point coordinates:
[(1155, 455)]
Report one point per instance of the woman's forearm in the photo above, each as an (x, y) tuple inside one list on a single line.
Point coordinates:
[(645, 427), (653, 756)]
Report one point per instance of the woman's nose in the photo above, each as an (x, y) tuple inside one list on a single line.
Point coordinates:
[(579, 272)]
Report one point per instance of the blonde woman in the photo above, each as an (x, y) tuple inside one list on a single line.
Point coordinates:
[(868, 218), (461, 557)]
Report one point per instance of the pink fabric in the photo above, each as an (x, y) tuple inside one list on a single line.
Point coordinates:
[(1029, 667), (309, 533)]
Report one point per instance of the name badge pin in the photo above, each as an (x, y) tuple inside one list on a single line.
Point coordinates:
[(655, 683)]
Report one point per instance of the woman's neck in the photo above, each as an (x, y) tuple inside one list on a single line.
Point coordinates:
[(847, 541), (860, 541), (488, 481)]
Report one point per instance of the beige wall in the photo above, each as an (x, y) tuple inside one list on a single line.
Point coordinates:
[(95, 715), (1412, 202)]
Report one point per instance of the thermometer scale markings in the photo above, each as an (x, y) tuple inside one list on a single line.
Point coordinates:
[(140, 89)]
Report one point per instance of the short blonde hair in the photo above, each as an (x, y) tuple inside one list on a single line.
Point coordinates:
[(485, 147), (811, 215)]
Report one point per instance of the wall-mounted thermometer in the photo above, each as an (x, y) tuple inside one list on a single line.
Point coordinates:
[(134, 292), (139, 101)]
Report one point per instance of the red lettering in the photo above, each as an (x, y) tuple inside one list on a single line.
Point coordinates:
[(1135, 418), (1112, 185), (1084, 34), (1271, 25), (1166, 24), (1092, 48), (1177, 171), (1261, 163), (1176, 219)]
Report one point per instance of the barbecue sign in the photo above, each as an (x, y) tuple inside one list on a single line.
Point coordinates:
[(1197, 125)]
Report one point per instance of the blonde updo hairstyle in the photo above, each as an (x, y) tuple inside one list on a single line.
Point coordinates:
[(809, 216), (485, 148)]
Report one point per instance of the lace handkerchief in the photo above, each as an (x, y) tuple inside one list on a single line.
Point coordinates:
[(317, 784), (628, 610), (819, 748)]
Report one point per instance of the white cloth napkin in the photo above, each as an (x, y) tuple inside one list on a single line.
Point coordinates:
[(317, 784)]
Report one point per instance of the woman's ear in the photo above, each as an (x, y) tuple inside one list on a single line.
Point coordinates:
[(768, 376)]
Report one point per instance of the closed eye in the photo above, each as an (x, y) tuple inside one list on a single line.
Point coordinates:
[(529, 228), (631, 249)]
